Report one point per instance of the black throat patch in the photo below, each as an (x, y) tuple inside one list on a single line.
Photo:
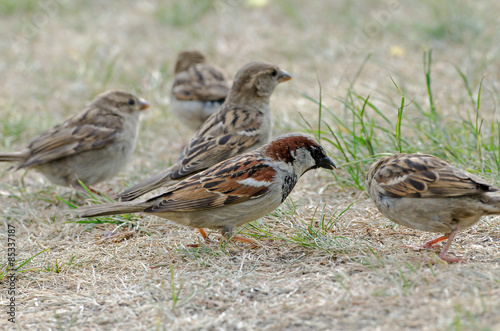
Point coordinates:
[(288, 185)]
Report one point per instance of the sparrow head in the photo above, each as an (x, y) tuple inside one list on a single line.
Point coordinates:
[(123, 101), (300, 151), (259, 79), (188, 58)]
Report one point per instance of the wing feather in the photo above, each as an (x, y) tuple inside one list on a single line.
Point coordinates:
[(227, 183), (214, 142), (92, 128), (426, 176), (201, 82)]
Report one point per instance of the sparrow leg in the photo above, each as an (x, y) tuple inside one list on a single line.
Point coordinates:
[(203, 234), (442, 255), (428, 244), (431, 243), (227, 232), (254, 243)]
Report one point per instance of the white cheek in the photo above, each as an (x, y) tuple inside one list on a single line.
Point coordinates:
[(253, 182)]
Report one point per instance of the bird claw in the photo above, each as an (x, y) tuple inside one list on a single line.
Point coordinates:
[(449, 259), (253, 243), (415, 249)]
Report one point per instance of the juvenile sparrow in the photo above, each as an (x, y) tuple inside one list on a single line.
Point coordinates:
[(90, 146), (233, 192), (199, 89), (242, 123), (424, 192)]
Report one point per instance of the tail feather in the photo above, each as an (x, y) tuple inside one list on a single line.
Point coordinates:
[(107, 209), (492, 204), (12, 157), (147, 185)]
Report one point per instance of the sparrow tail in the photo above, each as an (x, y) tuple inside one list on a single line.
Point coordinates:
[(493, 204), (11, 157), (107, 209), (147, 185)]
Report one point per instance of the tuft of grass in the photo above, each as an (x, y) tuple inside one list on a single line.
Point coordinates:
[(176, 292), (21, 264), (365, 131), (316, 232)]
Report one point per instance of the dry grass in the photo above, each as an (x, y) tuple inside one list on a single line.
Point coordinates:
[(354, 275)]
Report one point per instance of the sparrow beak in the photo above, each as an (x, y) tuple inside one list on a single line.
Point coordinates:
[(143, 104), (326, 163), (283, 76)]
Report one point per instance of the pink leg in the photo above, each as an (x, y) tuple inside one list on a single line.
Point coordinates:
[(428, 244), (442, 255)]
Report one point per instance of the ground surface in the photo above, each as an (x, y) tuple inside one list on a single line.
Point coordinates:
[(318, 268)]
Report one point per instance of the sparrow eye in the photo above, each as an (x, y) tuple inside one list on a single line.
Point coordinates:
[(131, 102), (274, 73)]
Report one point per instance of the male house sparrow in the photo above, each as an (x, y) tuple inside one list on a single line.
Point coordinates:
[(242, 123), (90, 146), (424, 192), (199, 89), (233, 192)]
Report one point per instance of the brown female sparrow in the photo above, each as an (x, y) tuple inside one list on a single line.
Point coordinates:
[(233, 192), (199, 89), (241, 124), (90, 146), (424, 192)]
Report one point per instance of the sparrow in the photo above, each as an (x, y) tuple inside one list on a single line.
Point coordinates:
[(199, 89), (423, 192), (241, 124), (90, 146), (233, 192)]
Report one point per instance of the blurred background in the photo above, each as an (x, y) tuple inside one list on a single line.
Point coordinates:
[(56, 54)]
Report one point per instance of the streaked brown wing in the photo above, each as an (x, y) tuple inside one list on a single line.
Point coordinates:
[(201, 82), (426, 176), (227, 133), (92, 128), (233, 181)]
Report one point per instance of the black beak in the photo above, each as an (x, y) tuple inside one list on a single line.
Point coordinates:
[(326, 163)]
